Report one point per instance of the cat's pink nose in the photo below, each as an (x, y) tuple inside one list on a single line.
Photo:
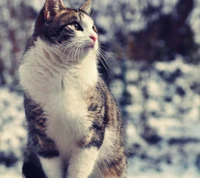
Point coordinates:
[(94, 37)]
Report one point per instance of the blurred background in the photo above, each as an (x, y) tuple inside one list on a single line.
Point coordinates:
[(152, 67)]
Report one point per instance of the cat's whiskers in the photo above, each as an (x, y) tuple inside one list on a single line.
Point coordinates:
[(76, 52), (59, 49), (107, 61), (70, 50), (108, 66), (80, 50), (76, 48), (93, 15), (80, 47), (69, 45), (59, 46), (56, 55)]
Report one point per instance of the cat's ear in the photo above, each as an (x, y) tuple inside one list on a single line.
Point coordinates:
[(87, 6), (52, 7)]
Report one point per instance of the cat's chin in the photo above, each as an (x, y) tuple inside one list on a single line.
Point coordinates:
[(92, 46)]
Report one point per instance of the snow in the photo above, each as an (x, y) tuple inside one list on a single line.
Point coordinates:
[(194, 21), (117, 87), (132, 76), (13, 134), (36, 4), (154, 89), (177, 153)]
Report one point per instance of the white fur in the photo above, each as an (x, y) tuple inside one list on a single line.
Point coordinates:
[(44, 80), (59, 89), (52, 167), (109, 141), (105, 152), (82, 163)]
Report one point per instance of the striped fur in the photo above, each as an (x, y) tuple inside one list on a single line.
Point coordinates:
[(74, 125)]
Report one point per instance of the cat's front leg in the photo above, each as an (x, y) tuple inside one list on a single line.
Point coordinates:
[(52, 167), (49, 157), (85, 153), (82, 162)]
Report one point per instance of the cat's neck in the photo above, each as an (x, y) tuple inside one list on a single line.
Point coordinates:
[(44, 70)]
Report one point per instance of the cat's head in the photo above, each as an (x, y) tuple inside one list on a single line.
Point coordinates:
[(69, 30)]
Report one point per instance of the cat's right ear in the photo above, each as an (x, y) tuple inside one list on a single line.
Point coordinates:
[(87, 6), (52, 7)]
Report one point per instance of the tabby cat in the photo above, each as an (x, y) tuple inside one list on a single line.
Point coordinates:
[(74, 125)]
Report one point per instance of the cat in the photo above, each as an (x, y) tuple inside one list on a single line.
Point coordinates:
[(74, 125)]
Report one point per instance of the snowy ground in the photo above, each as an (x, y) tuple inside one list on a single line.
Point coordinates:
[(173, 110)]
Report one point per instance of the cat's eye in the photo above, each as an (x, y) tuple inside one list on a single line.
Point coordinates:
[(95, 29), (77, 26)]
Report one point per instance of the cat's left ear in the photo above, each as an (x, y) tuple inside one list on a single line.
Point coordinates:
[(87, 6), (52, 7)]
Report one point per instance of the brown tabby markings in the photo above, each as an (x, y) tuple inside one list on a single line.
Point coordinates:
[(66, 15), (37, 124), (114, 168)]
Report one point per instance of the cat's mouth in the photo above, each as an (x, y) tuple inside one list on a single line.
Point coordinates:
[(91, 45)]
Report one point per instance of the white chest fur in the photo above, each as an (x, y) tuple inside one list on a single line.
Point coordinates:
[(60, 90)]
